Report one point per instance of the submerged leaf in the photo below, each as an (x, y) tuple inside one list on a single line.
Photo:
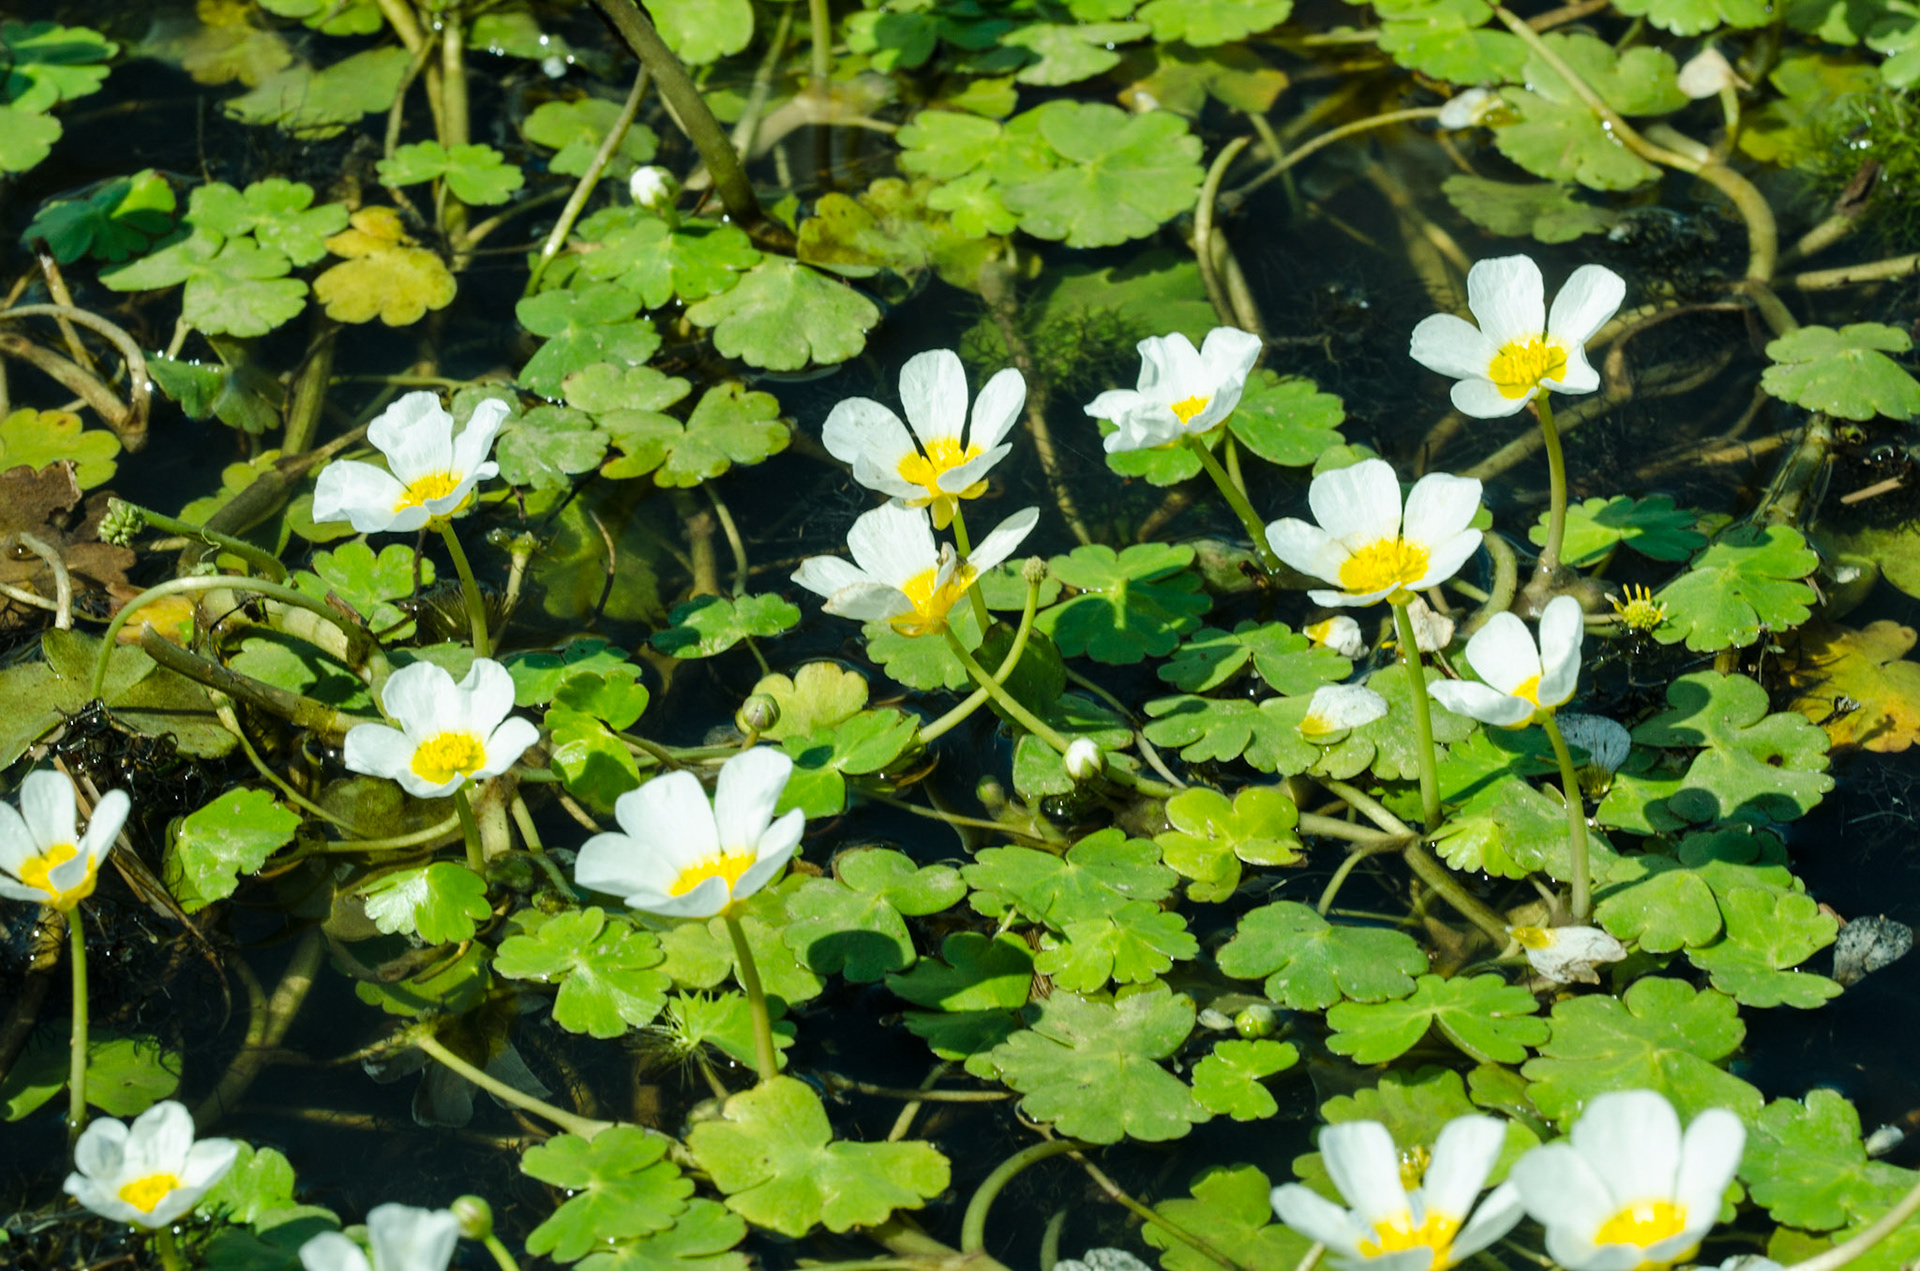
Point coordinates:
[(383, 274)]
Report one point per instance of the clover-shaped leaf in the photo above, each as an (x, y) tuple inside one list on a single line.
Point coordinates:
[(1209, 729), (537, 673), (1766, 936), (701, 954), (1132, 945), (1396, 752), (35, 438), (618, 1185), (1659, 904), (46, 63), (1126, 175), (1068, 52), (25, 138), (116, 219), (593, 765), (629, 404), (782, 314), (439, 902), (577, 128), (723, 1021), (1228, 1081), (443, 988), (1445, 39), (1692, 17), (233, 286), (1660, 1035), (277, 212), (924, 661), (547, 446), (1489, 1019), (1544, 210), (1559, 137), (583, 327), (972, 992), (605, 970), (1310, 964), (816, 697), (1287, 421), (1867, 671), (332, 17), (1748, 581), (707, 626), (656, 261), (1039, 769), (730, 425), (1804, 1161), (1415, 1107), (369, 583), (1651, 526), (242, 396), (822, 761), (1502, 823), (772, 1153), (231, 836), (1092, 1068), (1233, 1205), (852, 924), (1291, 663), (1845, 372), (702, 31), (316, 104), (1204, 22), (474, 173), (701, 1239), (1097, 877), (288, 662), (1131, 605), (382, 273), (1211, 837)]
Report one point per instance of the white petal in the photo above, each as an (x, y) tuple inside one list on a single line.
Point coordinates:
[(207, 1163), (1579, 376), (101, 1149), (1590, 298), (13, 890), (1573, 954), (704, 901), (1452, 346), (750, 784), (108, 816), (1606, 741), (1631, 1138), (1146, 427), (417, 439), (1341, 599), (1361, 1160), (421, 698), (1480, 399), (102, 1200), (670, 815), (449, 503), (1358, 504), (1228, 353), (1503, 653), (961, 475), (505, 745), (159, 1139), (1563, 627), (995, 410), (17, 844), (1445, 559), (409, 1239), (377, 751), (471, 447), (619, 866), (933, 390), (825, 575), (893, 544), (47, 805), (1006, 536), (1477, 701), (1316, 1217), (1339, 706), (1508, 299), (1465, 109), (488, 688), (1463, 1156), (1709, 1153), (866, 435), (331, 1251), (360, 493), (776, 848), (1494, 1218), (70, 874), (868, 602), (1307, 548), (1439, 507), (408, 412), (1561, 1191), (1115, 404)]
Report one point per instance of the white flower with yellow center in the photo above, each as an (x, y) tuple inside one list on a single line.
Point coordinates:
[(1522, 681), (1182, 391), (430, 473), (150, 1173), (43, 857), (900, 575), (403, 1238), (1335, 708), (1519, 349), (1403, 1219), (949, 463), (1567, 955), (1339, 633), (1367, 546), (683, 857), (1627, 1191), (449, 734)]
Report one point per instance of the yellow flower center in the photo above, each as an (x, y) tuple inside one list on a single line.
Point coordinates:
[(1186, 409), (145, 1193), (1532, 937), (1643, 1223), (725, 865), (443, 757), (1316, 726), (1528, 690), (1639, 610), (34, 873), (931, 603), (925, 470), (1518, 368), (1399, 1233), (1386, 563), (435, 485)]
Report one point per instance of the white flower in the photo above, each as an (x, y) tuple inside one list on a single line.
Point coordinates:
[(449, 733), (1706, 73), (652, 187), (1518, 348), (1083, 759), (1627, 1191), (43, 858), (1339, 633), (1567, 954), (1521, 681), (403, 1239), (944, 467), (1334, 708), (900, 575), (684, 857), (1432, 630), (1606, 741), (430, 473), (1363, 543), (1390, 1228), (1463, 110), (151, 1173), (1182, 391)]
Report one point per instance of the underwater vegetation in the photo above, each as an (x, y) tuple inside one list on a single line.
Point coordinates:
[(958, 634)]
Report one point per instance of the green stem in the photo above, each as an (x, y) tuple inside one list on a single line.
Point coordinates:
[(1556, 487), (501, 1256), (163, 1244), (577, 201), (973, 1227), (266, 562), (1237, 500), (1354, 857), (820, 56), (1435, 875), (77, 1064), (470, 831), (573, 1123), (978, 697), (1576, 819), (469, 589), (965, 545), (1368, 806), (765, 1058), (1003, 699), (1422, 717), (736, 545), (1335, 828)]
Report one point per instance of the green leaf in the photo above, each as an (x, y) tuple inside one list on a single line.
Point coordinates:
[(1560, 138), (1746, 582), (699, 1240), (444, 988), (924, 661), (1845, 372), (440, 902), (782, 314), (331, 17), (772, 1153), (1126, 175), (1097, 877), (537, 673), (618, 1186), (725, 1022), (816, 698), (1659, 1035), (708, 626), (1183, 79), (382, 274), (577, 128), (628, 405), (243, 396), (1693, 17), (1501, 822), (605, 970), (1414, 1107), (474, 173), (1659, 904), (35, 438), (946, 144), (1547, 211), (1092, 1068), (277, 212), (1133, 945), (590, 761), (125, 1075), (1484, 1016), (852, 924), (1068, 52), (1233, 1205), (313, 105), (702, 31), (614, 695), (1766, 936), (1205, 22), (231, 836), (257, 1189), (548, 446), (1444, 39), (1396, 752), (867, 743), (25, 138), (1791, 130), (1805, 1163), (369, 583), (1131, 605), (1310, 964), (730, 425), (584, 327), (1291, 663), (1039, 769), (1227, 1081), (117, 219), (1287, 421), (974, 972), (46, 63), (1651, 526), (1211, 837), (700, 955), (235, 287), (642, 253)]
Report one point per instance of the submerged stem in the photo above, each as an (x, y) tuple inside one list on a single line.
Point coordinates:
[(77, 1064), (1422, 718), (469, 589), (1237, 500), (1582, 904), (572, 1123), (973, 1226), (765, 1058)]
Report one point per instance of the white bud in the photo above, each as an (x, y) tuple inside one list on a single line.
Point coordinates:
[(653, 187), (1706, 73), (1464, 110), (1084, 760), (1341, 634)]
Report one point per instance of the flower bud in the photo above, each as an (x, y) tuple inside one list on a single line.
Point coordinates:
[(1083, 759), (475, 1215), (1256, 1021), (1706, 73), (121, 525), (992, 795), (757, 714), (1467, 109), (1034, 570), (653, 187)]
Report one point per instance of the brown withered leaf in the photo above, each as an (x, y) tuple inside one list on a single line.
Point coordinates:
[(47, 504), (1858, 685)]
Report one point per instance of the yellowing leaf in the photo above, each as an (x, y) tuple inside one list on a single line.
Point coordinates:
[(1859, 686), (384, 275)]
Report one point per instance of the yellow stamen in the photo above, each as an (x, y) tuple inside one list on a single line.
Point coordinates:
[(1385, 563), (942, 454), (1532, 937), (1639, 610), (443, 757), (1528, 690), (34, 872), (1399, 1233), (930, 603), (144, 1194), (726, 866), (1518, 367), (435, 485), (1413, 1165), (1643, 1223), (1186, 409)]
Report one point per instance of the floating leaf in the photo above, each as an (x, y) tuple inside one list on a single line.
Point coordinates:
[(707, 626), (1767, 935), (1748, 581), (1290, 663), (1126, 175), (1233, 1205), (1228, 1081), (233, 287), (117, 219), (243, 396), (1869, 673), (313, 105), (1310, 964), (46, 63), (331, 17), (1211, 837), (1484, 1016), (1659, 904), (1693, 17), (1132, 945), (1804, 1161), (1287, 421), (605, 970), (628, 405), (1182, 79), (1205, 22), (440, 902), (618, 1186), (1415, 1107), (474, 173), (781, 315), (25, 138), (1097, 877), (852, 924), (822, 761), (537, 674), (731, 425), (277, 212), (125, 1075), (1446, 39), (818, 697), (1651, 526), (583, 327), (369, 583), (548, 446), (577, 128), (383, 274), (1845, 372), (692, 259), (1131, 605), (702, 31), (1068, 52), (231, 836), (1559, 137), (699, 1240), (1547, 211), (35, 438)]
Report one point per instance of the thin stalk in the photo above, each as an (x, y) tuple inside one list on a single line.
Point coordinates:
[(1003, 699), (470, 831), (820, 55), (978, 697), (1157, 1219), (1354, 857), (735, 543), (1556, 487), (583, 190), (973, 1226), (469, 589), (965, 545), (1435, 875), (501, 1256), (1203, 228), (62, 578), (1334, 828), (230, 720), (261, 559), (77, 1063), (1582, 904), (1888, 1223), (163, 1244), (572, 1123), (1422, 718), (1237, 500), (1327, 138), (765, 1058), (1366, 805)]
